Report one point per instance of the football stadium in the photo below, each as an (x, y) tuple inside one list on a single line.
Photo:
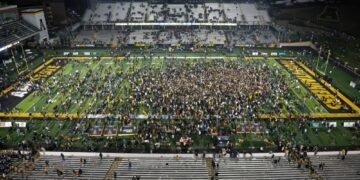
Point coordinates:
[(179, 89)]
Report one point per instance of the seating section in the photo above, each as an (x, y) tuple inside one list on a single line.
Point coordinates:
[(8, 160), (156, 13), (210, 37), (251, 37), (120, 12), (138, 11), (143, 37), (142, 14), (246, 13), (16, 31), (196, 13), (335, 168), (195, 36), (177, 13), (215, 12), (189, 167), (232, 12), (93, 169), (163, 168), (259, 168), (102, 13), (177, 37), (101, 37)]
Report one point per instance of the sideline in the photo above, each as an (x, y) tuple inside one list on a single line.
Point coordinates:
[(155, 155)]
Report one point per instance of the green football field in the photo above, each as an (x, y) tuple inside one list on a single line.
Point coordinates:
[(67, 91)]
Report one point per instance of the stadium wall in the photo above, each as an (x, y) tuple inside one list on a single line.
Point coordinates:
[(36, 18)]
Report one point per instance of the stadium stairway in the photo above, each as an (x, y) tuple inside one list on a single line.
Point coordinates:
[(93, 169), (112, 170), (211, 169), (259, 168), (163, 168), (335, 168)]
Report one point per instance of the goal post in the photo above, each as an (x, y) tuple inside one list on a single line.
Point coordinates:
[(321, 68)]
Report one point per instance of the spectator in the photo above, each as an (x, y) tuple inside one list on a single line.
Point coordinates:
[(80, 171), (59, 172), (46, 170), (74, 173), (343, 154)]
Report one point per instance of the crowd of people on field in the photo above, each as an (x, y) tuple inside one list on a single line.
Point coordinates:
[(176, 89), (205, 89)]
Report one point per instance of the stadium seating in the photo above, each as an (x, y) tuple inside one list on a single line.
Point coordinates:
[(143, 36), (210, 37), (335, 168), (177, 13), (120, 11), (245, 13), (232, 12), (156, 13), (102, 14), (190, 167), (93, 169), (135, 12), (196, 12), (259, 168), (163, 168), (138, 11), (249, 12), (197, 36), (173, 37), (8, 160), (251, 37), (215, 12), (107, 37), (100, 37)]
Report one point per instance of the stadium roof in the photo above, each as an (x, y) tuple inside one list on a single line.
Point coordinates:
[(6, 7), (12, 33), (34, 10)]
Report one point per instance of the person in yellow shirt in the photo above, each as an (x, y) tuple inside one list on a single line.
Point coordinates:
[(286, 152), (46, 170), (177, 157)]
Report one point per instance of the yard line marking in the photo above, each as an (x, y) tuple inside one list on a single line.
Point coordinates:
[(32, 105)]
